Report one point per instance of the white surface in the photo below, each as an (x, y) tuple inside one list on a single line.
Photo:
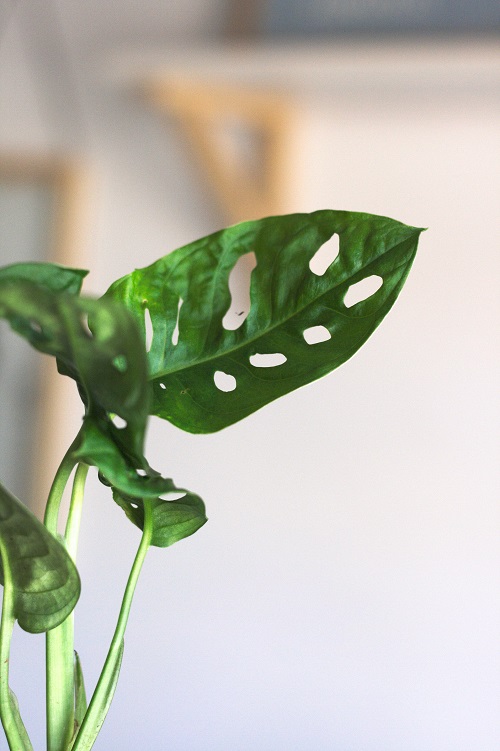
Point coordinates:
[(344, 594)]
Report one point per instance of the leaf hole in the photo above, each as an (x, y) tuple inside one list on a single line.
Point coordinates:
[(325, 256), (174, 495), (268, 360), (362, 290), (175, 333), (35, 327), (316, 334), (224, 381), (134, 505), (148, 326), (84, 321), (118, 422), (239, 288), (162, 386), (141, 472), (120, 363)]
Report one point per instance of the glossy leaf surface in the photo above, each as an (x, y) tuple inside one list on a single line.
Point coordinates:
[(204, 376), (45, 580)]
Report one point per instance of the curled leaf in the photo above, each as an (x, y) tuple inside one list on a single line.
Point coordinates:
[(44, 578), (173, 520)]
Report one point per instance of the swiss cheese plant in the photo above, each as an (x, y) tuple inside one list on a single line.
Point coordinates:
[(160, 342)]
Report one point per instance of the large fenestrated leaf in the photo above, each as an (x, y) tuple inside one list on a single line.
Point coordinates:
[(186, 295), (45, 581)]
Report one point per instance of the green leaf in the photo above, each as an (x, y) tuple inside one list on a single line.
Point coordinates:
[(173, 519), (97, 343), (50, 275), (45, 580), (189, 289), (21, 730), (20, 724), (80, 699), (98, 449)]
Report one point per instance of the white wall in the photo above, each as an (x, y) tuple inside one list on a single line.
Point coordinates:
[(344, 594)]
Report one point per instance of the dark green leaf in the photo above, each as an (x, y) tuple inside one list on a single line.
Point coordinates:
[(50, 275), (97, 343), (213, 376), (45, 580), (99, 450), (173, 520)]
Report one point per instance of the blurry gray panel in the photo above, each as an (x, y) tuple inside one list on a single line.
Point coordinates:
[(320, 17)]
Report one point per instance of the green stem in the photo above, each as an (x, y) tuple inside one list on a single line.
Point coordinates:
[(106, 684), (60, 640), (15, 732), (75, 510)]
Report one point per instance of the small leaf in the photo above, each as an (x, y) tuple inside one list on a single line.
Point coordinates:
[(45, 581), (98, 710), (80, 699), (23, 735), (208, 379), (173, 520)]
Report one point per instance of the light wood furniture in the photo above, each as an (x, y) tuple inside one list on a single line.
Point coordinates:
[(64, 180), (239, 136)]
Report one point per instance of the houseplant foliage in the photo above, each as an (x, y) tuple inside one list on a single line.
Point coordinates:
[(157, 343)]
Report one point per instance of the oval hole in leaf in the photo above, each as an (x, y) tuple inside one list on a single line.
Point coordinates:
[(267, 361), (239, 287), (141, 472), (362, 290), (148, 324), (175, 333), (120, 363), (224, 381), (174, 496), (162, 386), (134, 505), (325, 256), (316, 334), (118, 422), (35, 326)]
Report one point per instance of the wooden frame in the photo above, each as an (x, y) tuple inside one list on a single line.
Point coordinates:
[(64, 178), (201, 109)]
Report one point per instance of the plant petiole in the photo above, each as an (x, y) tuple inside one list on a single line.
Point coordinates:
[(103, 694), (60, 680)]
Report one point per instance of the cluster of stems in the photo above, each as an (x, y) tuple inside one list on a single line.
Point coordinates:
[(71, 724)]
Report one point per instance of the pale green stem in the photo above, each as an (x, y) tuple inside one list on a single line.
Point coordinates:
[(75, 510), (106, 684), (15, 732), (59, 641)]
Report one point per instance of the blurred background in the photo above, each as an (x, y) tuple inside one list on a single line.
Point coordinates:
[(345, 591)]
